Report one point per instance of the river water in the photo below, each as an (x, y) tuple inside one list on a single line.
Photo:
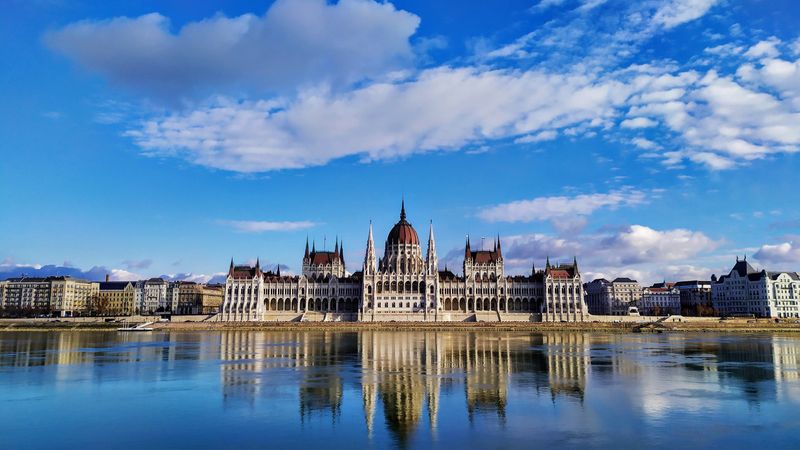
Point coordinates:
[(383, 389)]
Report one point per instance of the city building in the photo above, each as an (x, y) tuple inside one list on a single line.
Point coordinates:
[(660, 299), (614, 298), (27, 296), (72, 297), (154, 296), (695, 298), (3, 285), (404, 285), (745, 291), (117, 297), (194, 298)]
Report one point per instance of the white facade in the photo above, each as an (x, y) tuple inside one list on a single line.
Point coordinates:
[(153, 296), (614, 298), (403, 283), (660, 301), (70, 297), (746, 291)]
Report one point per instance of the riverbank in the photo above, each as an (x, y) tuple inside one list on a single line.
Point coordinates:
[(709, 325)]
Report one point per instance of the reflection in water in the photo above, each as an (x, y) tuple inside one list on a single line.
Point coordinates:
[(404, 387)]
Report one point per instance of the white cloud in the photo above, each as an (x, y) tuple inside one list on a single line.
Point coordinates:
[(645, 144), (639, 243), (255, 226), (194, 277), (637, 251), (561, 207), (295, 42), (547, 135), (785, 252), (544, 4), (638, 122), (677, 12), (587, 5), (124, 275), (442, 108), (764, 49)]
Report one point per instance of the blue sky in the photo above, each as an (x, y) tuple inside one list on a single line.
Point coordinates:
[(652, 139)]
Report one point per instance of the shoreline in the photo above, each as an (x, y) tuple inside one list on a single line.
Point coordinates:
[(716, 326)]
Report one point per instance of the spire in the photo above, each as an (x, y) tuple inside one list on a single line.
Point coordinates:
[(432, 260), (314, 246), (547, 264), (258, 264), (403, 209), (306, 255), (230, 270), (369, 254), (467, 251), (533, 267), (499, 250), (278, 270), (341, 252), (575, 265)]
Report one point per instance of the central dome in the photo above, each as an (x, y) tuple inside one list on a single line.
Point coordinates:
[(403, 232)]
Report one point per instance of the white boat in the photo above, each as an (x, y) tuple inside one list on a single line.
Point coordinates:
[(142, 327)]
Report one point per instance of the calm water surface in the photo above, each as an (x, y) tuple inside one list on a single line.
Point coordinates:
[(398, 389)]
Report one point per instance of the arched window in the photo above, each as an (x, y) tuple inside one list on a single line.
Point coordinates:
[(408, 286)]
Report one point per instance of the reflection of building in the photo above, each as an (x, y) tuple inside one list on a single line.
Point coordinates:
[(403, 285), (605, 297), (567, 360), (746, 291)]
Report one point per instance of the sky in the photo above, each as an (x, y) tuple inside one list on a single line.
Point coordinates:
[(654, 139)]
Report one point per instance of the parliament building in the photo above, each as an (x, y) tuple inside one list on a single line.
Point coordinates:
[(404, 286)]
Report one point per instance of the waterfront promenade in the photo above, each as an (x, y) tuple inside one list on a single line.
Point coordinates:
[(596, 323)]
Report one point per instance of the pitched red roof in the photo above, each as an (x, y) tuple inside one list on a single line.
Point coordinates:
[(319, 258), (484, 256)]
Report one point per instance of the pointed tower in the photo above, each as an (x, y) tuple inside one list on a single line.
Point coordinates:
[(341, 254), (278, 271), (575, 265), (306, 256), (230, 270), (467, 267), (432, 261), (498, 249), (369, 255)]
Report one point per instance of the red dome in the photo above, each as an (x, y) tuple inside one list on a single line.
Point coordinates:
[(403, 232)]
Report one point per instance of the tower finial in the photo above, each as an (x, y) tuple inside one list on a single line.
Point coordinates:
[(403, 209)]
